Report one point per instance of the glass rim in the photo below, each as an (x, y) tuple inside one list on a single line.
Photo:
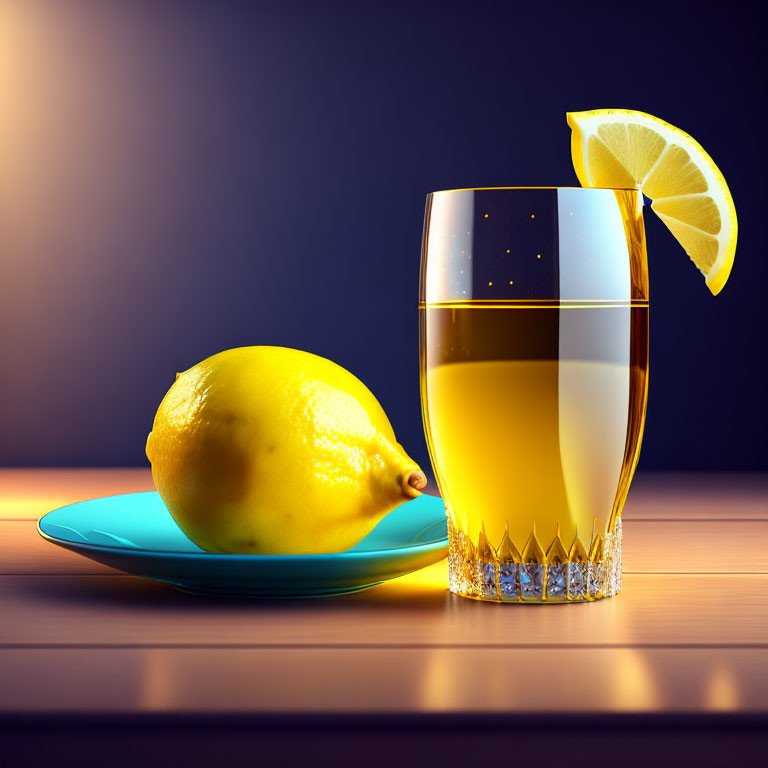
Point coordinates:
[(585, 189)]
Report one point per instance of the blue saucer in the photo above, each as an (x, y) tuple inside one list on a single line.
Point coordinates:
[(135, 533)]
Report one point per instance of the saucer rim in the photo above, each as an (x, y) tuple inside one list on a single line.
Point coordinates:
[(212, 556)]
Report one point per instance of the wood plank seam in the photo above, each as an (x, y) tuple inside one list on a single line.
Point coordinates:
[(378, 646)]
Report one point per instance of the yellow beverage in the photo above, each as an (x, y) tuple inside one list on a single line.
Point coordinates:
[(534, 415)]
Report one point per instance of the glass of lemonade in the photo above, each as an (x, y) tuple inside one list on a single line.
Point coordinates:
[(534, 378)]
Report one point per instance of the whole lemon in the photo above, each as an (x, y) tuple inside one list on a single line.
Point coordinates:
[(269, 450)]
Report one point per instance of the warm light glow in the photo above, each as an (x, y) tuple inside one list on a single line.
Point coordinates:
[(433, 579), (78, 156), (722, 689), (27, 494), (633, 685), (158, 682)]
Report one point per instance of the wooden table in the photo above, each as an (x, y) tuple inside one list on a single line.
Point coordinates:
[(134, 668)]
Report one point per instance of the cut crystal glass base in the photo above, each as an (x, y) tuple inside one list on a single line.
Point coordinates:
[(533, 582)]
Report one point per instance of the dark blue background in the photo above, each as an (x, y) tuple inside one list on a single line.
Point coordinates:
[(234, 173)]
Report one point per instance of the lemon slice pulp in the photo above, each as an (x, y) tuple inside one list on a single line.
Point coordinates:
[(625, 148)]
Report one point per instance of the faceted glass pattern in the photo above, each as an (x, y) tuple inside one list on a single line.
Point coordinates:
[(488, 576), (556, 577), (532, 581), (508, 581), (488, 579), (577, 581)]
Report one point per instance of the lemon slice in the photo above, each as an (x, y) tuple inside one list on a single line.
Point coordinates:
[(624, 148)]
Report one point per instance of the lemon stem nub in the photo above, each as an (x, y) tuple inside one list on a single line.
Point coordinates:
[(414, 482)]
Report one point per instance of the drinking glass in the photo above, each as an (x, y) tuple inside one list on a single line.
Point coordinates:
[(534, 374)]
